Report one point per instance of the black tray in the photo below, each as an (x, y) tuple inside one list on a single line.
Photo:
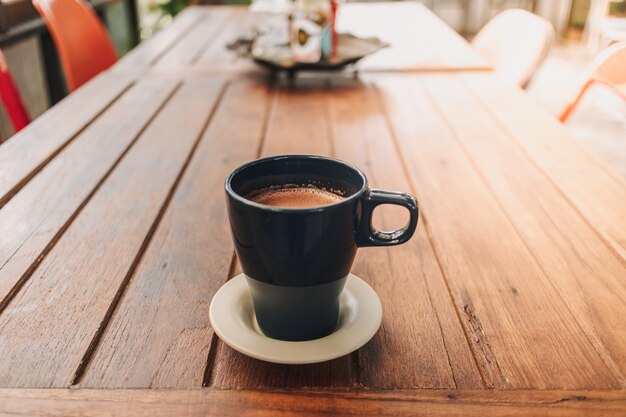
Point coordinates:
[(279, 58)]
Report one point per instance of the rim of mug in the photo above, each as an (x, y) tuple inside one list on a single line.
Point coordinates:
[(345, 201)]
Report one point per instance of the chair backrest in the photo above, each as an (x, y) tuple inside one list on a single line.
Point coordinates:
[(11, 99), (82, 41), (515, 42), (610, 66)]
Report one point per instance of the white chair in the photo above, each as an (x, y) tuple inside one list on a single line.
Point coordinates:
[(515, 43)]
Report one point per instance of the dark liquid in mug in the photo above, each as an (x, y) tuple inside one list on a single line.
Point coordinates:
[(294, 197)]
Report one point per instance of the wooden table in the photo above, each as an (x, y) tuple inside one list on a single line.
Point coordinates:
[(419, 40), (509, 300)]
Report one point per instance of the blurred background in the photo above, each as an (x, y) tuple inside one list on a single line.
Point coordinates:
[(583, 28)]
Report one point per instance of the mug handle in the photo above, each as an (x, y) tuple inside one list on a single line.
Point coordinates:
[(367, 235)]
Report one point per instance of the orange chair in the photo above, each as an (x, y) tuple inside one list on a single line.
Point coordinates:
[(609, 69), (515, 43), (11, 98), (81, 40)]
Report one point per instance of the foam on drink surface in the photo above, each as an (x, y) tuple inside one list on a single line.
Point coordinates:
[(294, 197)]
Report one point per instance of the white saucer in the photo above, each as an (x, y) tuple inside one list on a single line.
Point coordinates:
[(233, 319)]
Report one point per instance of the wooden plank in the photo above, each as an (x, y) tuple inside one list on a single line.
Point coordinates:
[(186, 51), (589, 277), (421, 342), (522, 332), (419, 40), (297, 124), (29, 150), (581, 176), (49, 330), (147, 53), (32, 221), (217, 57), (160, 334), (299, 121), (225, 403)]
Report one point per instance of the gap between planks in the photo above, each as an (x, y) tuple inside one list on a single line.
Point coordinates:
[(468, 309), (235, 268), (477, 331), (598, 345), (134, 63), (393, 358), (229, 22), (202, 15), (146, 242), (209, 376), (215, 348), (483, 102), (4, 303), (170, 350), (228, 363), (19, 185), (486, 373)]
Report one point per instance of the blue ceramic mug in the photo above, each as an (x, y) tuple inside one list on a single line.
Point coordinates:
[(296, 260)]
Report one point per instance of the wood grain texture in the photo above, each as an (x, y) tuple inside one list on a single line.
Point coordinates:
[(143, 57), (50, 327), (188, 259), (421, 342), (594, 189), (33, 220), (225, 403), (189, 48), (216, 57), (114, 237), (588, 276), (299, 122), (523, 334), (289, 130), (419, 40), (29, 150)]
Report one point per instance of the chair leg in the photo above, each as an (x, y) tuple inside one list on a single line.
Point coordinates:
[(570, 107)]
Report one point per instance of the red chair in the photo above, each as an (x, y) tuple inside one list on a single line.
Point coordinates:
[(82, 41), (11, 98)]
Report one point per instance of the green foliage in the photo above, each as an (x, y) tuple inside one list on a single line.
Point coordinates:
[(172, 7)]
